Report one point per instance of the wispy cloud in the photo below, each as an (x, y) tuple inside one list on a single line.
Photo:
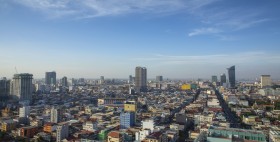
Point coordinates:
[(204, 31), (97, 8), (228, 19), (223, 59)]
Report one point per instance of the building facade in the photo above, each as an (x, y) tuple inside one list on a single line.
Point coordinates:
[(62, 131), (127, 119), (4, 88), (231, 76), (50, 78), (22, 87), (64, 81), (159, 78), (265, 81), (56, 115), (140, 79), (223, 79), (214, 78)]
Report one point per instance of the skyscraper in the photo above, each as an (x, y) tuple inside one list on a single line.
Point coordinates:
[(265, 81), (64, 81), (231, 76), (50, 78), (56, 115), (130, 79), (4, 88), (159, 78), (223, 78), (214, 78), (140, 79), (21, 88), (62, 131)]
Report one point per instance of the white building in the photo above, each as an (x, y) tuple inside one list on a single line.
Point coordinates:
[(55, 115), (213, 102), (148, 124), (24, 111), (90, 126), (62, 131), (141, 135)]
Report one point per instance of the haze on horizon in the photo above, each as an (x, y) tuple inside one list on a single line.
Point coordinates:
[(175, 39)]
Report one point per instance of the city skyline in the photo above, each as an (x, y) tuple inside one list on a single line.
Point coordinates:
[(176, 39)]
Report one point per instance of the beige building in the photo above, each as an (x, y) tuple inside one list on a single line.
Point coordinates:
[(265, 81)]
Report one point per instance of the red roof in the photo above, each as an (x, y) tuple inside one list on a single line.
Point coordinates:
[(114, 134)]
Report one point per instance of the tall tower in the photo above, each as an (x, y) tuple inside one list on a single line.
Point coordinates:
[(140, 79), (64, 81), (265, 81), (22, 87), (62, 131), (56, 115), (223, 79), (231, 76), (4, 89), (50, 78), (159, 78), (214, 78)]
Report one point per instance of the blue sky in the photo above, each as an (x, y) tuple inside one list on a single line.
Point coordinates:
[(173, 38)]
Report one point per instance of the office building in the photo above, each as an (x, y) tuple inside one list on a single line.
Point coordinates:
[(56, 115), (102, 80), (50, 78), (127, 119), (140, 79), (4, 88), (223, 79), (214, 78), (64, 81), (265, 81), (130, 79), (62, 131), (159, 78), (21, 87), (24, 111), (231, 76), (131, 106)]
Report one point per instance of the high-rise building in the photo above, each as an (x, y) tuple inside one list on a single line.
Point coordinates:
[(62, 131), (21, 88), (140, 79), (223, 78), (131, 106), (130, 79), (102, 80), (64, 81), (159, 78), (231, 76), (214, 78), (127, 119), (4, 88), (265, 81), (56, 115), (50, 78), (24, 111)]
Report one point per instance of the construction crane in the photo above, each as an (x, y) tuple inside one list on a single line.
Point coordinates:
[(16, 70)]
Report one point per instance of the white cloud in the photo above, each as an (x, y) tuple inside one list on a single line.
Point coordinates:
[(204, 31)]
